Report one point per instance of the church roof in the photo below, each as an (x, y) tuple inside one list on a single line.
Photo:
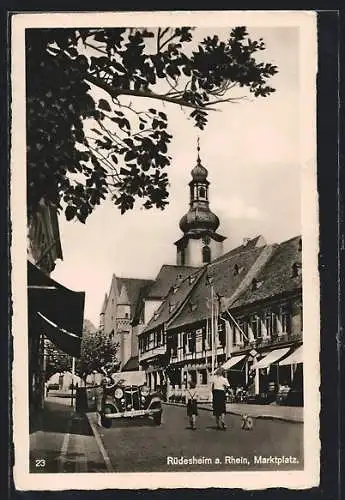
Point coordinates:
[(276, 276), (232, 276), (225, 281), (166, 277), (132, 287), (159, 288), (175, 299)]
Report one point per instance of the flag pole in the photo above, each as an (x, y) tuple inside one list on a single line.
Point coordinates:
[(73, 373), (212, 331)]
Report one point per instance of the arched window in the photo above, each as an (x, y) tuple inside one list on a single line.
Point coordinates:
[(206, 254), (202, 192)]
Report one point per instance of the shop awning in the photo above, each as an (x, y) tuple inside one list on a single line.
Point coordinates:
[(55, 311), (271, 358), (294, 358), (233, 361)]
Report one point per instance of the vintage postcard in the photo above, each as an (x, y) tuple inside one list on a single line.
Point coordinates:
[(164, 250)]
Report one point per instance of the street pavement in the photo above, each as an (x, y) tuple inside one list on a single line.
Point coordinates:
[(140, 446), (271, 411), (64, 441)]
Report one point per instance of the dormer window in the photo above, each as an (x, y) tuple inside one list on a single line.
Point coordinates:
[(191, 279), (175, 288), (192, 306), (296, 269), (256, 284), (237, 269), (171, 307)]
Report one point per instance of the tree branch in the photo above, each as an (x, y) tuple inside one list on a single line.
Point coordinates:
[(139, 93), (229, 99)]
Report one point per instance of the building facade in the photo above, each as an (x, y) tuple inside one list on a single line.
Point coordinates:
[(241, 310), (117, 314), (55, 313), (244, 311)]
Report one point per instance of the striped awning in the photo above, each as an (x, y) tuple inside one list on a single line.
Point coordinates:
[(55, 311), (270, 358), (294, 358), (233, 361)]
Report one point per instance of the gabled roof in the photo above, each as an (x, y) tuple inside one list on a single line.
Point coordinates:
[(132, 287), (226, 281), (175, 299), (140, 304), (276, 276), (166, 277)]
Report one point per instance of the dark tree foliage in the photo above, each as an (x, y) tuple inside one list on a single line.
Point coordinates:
[(56, 360), (97, 350), (93, 130)]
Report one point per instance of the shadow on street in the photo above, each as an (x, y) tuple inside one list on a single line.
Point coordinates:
[(57, 418)]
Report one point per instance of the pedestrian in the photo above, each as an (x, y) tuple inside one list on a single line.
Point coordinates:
[(192, 404), (100, 393), (220, 386)]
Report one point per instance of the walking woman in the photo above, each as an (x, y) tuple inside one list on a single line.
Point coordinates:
[(220, 387)]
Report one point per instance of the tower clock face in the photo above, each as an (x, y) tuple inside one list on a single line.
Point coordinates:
[(206, 240)]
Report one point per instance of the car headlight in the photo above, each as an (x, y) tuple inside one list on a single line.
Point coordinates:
[(118, 393), (145, 391)]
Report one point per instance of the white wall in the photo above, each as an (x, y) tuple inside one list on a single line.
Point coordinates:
[(194, 251), (150, 307)]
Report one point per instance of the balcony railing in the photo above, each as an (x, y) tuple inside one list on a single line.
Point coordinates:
[(156, 351), (269, 341)]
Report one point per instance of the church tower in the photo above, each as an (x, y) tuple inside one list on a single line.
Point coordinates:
[(200, 242)]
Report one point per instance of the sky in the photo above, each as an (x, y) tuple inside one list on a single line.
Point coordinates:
[(251, 150)]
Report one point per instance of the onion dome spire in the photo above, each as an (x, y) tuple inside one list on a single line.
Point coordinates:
[(199, 218)]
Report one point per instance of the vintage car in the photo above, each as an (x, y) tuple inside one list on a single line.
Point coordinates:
[(127, 396)]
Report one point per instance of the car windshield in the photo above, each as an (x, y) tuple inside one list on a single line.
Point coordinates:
[(129, 378)]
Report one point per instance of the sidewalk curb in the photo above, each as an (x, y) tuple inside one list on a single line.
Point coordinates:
[(238, 413), (99, 442)]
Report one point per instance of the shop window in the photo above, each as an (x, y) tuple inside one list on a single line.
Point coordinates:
[(206, 254)]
